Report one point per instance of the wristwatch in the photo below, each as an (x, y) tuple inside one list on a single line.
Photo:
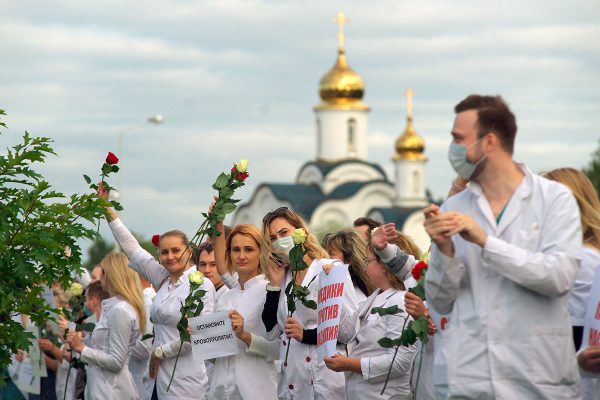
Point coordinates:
[(159, 353)]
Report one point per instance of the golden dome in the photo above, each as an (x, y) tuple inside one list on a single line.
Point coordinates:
[(341, 87), (410, 146)]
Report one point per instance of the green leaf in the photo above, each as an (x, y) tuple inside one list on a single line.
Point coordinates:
[(409, 336), (419, 291), (386, 342), (387, 310), (147, 336), (309, 303), (86, 327), (419, 326), (228, 208), (114, 168), (87, 179), (224, 193), (221, 181)]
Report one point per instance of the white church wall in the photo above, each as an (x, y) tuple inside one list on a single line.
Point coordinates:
[(263, 202), (350, 172)]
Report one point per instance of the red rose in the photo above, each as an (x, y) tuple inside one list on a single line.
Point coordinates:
[(417, 269), (111, 159), (242, 176), (155, 240), (233, 169)]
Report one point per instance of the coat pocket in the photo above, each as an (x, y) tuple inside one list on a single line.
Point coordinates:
[(553, 356)]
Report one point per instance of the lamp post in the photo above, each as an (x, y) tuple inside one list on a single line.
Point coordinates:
[(156, 120)]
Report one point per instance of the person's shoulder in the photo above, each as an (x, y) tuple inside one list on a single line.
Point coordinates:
[(590, 254)]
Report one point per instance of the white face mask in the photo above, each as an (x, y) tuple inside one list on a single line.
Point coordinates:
[(284, 244), (457, 155)]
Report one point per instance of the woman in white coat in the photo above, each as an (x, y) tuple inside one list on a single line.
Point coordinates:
[(250, 374), (367, 363), (170, 277), (302, 377), (123, 318)]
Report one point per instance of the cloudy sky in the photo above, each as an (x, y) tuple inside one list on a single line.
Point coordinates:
[(238, 79)]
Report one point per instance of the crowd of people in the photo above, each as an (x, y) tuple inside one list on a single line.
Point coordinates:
[(512, 262)]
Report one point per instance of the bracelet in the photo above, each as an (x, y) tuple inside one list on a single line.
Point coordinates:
[(454, 185)]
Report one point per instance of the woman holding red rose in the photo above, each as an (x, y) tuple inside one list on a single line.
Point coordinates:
[(367, 362)]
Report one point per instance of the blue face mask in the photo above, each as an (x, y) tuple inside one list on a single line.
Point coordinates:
[(457, 155), (87, 311)]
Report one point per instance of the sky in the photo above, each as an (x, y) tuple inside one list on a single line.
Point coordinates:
[(238, 79)]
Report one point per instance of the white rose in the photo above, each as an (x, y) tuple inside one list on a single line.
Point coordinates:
[(76, 289), (299, 236), (196, 277), (242, 166)]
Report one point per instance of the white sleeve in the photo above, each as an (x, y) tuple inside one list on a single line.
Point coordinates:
[(230, 279), (262, 347), (121, 326), (139, 259), (550, 271), (443, 280)]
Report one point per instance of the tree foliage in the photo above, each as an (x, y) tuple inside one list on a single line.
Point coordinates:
[(593, 169), (39, 230)]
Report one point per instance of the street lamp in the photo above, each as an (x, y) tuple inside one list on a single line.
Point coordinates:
[(156, 120)]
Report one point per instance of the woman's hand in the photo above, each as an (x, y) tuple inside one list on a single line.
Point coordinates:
[(104, 193), (20, 355), (153, 366), (340, 363), (327, 268), (237, 323), (383, 235), (47, 345), (589, 359), (414, 305), (75, 340), (276, 274), (293, 329)]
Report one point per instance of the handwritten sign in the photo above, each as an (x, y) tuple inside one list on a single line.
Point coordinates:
[(212, 336), (591, 328), (329, 308)]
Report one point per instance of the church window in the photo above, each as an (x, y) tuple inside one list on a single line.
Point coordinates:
[(352, 135)]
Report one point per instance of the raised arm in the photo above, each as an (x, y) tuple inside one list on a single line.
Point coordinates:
[(230, 279)]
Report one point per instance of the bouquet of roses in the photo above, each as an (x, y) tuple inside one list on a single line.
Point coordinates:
[(413, 330), (293, 291), (192, 307)]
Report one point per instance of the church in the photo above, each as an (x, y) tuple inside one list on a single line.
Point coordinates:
[(341, 184)]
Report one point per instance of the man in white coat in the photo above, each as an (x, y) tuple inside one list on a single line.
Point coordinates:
[(504, 257)]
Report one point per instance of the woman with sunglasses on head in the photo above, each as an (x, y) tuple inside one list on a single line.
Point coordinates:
[(367, 363), (122, 319), (349, 247), (170, 277), (302, 377), (250, 374)]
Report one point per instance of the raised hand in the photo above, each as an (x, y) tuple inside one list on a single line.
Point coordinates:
[(414, 305), (383, 235), (237, 323)]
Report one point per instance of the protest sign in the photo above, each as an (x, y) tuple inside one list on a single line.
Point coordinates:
[(212, 336), (591, 328), (329, 307), (27, 381)]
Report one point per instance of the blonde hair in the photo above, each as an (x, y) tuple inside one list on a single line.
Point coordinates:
[(406, 244), (353, 248), (587, 200), (313, 249), (124, 282), (246, 230)]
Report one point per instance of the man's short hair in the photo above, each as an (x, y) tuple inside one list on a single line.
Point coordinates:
[(94, 289), (204, 246), (493, 115), (370, 222)]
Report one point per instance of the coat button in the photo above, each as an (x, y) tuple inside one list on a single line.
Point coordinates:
[(284, 343), (285, 364), (290, 386), (307, 359)]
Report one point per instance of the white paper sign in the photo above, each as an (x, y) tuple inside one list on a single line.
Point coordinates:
[(212, 336), (38, 366), (329, 308), (28, 382), (591, 328)]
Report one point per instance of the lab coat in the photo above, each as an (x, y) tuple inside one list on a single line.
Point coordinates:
[(303, 378), (361, 331), (509, 334), (189, 382), (138, 365), (590, 261), (250, 374), (115, 334), (209, 364)]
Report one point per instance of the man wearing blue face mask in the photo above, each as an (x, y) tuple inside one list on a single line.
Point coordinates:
[(505, 253)]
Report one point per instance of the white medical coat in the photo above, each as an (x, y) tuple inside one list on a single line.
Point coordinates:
[(115, 334), (303, 378), (509, 334), (361, 331), (250, 374), (189, 382)]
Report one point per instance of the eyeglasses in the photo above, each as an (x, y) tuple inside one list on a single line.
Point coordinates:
[(274, 214), (368, 260)]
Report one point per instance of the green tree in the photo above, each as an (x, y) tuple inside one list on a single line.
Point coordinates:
[(593, 169), (39, 231)]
